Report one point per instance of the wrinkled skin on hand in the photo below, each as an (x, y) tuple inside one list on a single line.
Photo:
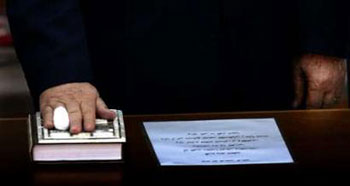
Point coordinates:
[(82, 102), (319, 81)]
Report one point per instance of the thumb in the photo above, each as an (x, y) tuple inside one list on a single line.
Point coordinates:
[(103, 111), (298, 87)]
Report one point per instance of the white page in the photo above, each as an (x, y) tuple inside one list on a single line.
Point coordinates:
[(218, 142)]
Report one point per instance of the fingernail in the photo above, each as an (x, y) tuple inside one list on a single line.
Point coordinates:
[(74, 130), (48, 125), (90, 128), (113, 115)]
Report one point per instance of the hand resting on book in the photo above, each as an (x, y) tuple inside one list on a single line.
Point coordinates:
[(82, 102)]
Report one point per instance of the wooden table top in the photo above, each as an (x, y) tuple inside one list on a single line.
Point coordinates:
[(319, 142)]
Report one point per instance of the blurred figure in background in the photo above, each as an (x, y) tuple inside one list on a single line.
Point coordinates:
[(5, 36)]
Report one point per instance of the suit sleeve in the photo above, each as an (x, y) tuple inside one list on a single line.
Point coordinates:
[(50, 42), (324, 28)]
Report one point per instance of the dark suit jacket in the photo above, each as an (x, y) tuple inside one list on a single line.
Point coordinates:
[(160, 56)]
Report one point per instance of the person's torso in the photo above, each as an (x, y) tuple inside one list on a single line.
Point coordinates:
[(172, 55)]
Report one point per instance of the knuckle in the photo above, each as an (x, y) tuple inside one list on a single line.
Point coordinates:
[(89, 96), (75, 123), (48, 120), (43, 98), (88, 114), (45, 92), (52, 102), (74, 112), (89, 86), (75, 116), (46, 110), (67, 96), (92, 89)]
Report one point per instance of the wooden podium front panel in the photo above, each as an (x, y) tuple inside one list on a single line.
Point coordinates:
[(318, 140)]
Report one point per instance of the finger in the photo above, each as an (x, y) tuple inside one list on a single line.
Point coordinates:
[(47, 110), (103, 111), (75, 117), (47, 114), (298, 87), (88, 109), (314, 99)]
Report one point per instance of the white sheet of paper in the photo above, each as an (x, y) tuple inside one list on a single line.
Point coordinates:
[(218, 142)]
